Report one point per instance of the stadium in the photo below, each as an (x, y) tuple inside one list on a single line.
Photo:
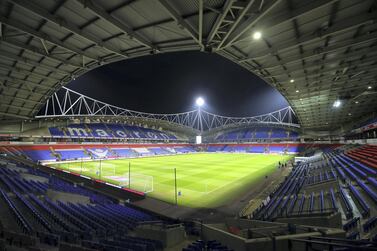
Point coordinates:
[(82, 169)]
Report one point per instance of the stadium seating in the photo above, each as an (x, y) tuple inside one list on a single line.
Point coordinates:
[(215, 148), (262, 133), (253, 148), (68, 154), (279, 133), (101, 224), (366, 155), (255, 134), (293, 135), (124, 152), (351, 224), (277, 149), (101, 130), (40, 155), (257, 149), (354, 194), (370, 224), (50, 153), (185, 149), (99, 153), (159, 151)]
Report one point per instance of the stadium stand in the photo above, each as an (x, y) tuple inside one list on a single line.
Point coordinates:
[(257, 134), (100, 130), (55, 220), (61, 152), (315, 190), (337, 184), (331, 185)]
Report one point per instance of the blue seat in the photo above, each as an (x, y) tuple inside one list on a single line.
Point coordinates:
[(346, 202), (370, 224), (351, 224), (365, 208)]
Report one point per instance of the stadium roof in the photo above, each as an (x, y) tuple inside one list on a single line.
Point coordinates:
[(313, 51)]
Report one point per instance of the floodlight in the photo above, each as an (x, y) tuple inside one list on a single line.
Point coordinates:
[(292, 80), (369, 87), (337, 103), (200, 101), (257, 35)]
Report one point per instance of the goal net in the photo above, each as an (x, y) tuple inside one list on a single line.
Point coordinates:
[(103, 169), (137, 181)]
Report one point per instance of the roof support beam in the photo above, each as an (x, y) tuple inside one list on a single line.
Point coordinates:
[(12, 115), (171, 20), (250, 22), (27, 83), (102, 13), (236, 22), (20, 99), (200, 29), (45, 47), (28, 61), (342, 26), (27, 73), (10, 85), (180, 21), (353, 58), (344, 85), (27, 109), (39, 51), (219, 19), (319, 73), (38, 34), (29, 6), (288, 16), (309, 55)]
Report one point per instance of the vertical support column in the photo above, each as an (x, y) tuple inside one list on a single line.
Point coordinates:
[(200, 29), (175, 186), (200, 120), (129, 175), (100, 168)]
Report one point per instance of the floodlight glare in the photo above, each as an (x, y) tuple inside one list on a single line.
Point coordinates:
[(200, 101), (257, 35), (337, 103)]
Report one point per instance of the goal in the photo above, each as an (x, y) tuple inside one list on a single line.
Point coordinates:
[(104, 169), (137, 181)]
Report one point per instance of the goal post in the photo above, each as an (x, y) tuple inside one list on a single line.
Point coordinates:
[(101, 169), (137, 181), (107, 170)]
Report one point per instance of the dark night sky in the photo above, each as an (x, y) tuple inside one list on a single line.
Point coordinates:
[(170, 83)]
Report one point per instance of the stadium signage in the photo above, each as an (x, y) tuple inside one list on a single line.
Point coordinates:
[(82, 132)]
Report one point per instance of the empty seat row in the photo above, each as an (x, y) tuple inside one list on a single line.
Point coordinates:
[(364, 206)]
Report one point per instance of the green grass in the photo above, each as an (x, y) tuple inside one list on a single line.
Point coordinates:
[(204, 180)]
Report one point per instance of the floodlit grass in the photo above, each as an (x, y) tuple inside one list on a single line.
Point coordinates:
[(203, 180)]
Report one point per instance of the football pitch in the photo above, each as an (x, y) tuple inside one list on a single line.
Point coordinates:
[(202, 179)]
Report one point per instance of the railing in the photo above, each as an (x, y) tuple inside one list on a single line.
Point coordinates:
[(321, 243)]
